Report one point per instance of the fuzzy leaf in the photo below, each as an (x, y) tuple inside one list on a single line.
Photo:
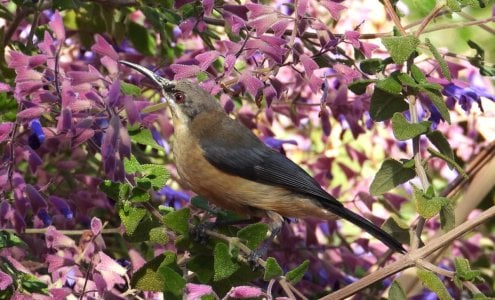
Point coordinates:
[(297, 274), (144, 137), (400, 47), (131, 217), (159, 235), (432, 282), (371, 66), (272, 269), (463, 270), (404, 130), (358, 87), (390, 174), (418, 75), (147, 277), (178, 221), (447, 217), (398, 229), (452, 163), (441, 143), (444, 68), (428, 207), (396, 292), (253, 234), (223, 264), (202, 265), (157, 174), (142, 39), (8, 239), (131, 165), (439, 103), (129, 89), (173, 282)]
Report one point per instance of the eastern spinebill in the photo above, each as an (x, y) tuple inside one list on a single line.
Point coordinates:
[(224, 162)]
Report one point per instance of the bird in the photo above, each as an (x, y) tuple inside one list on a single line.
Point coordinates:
[(223, 161)]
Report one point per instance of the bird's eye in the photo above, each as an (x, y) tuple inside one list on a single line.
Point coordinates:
[(179, 97)]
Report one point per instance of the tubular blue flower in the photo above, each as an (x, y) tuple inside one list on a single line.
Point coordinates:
[(62, 207), (277, 144), (45, 217), (465, 96), (172, 196), (37, 136)]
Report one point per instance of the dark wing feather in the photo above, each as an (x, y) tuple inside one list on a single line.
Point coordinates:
[(234, 149)]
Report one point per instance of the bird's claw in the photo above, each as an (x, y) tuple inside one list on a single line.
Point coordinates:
[(255, 255), (198, 232)]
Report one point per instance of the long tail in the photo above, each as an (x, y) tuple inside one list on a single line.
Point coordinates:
[(369, 227)]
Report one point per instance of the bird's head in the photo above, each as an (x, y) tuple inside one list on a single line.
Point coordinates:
[(186, 99)]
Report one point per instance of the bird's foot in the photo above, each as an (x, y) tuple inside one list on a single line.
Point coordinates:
[(198, 232), (256, 254)]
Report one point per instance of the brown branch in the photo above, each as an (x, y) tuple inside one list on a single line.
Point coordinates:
[(411, 258)]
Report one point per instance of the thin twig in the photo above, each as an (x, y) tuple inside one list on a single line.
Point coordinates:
[(428, 19), (410, 258), (395, 18)]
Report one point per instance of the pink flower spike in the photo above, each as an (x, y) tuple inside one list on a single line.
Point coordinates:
[(185, 71), (256, 10), (367, 48), (262, 23), (4, 87), (109, 264), (5, 129), (5, 281), (348, 73), (102, 47), (352, 37), (251, 83), (302, 7), (31, 113), (196, 291), (333, 7), (207, 58), (309, 64), (96, 225), (57, 25), (56, 240), (208, 6), (245, 292)]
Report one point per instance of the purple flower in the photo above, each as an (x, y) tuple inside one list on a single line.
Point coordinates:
[(5, 280), (62, 207), (44, 216), (465, 96), (277, 144), (172, 196)]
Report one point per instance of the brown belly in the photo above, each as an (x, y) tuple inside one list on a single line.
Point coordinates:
[(235, 193)]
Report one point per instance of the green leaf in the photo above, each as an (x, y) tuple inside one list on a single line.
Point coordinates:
[(297, 274), (132, 165), (400, 47), (383, 105), (437, 99), (131, 217), (147, 277), (441, 143), (202, 265), (178, 221), (159, 235), (463, 270), (432, 282), (358, 87), (396, 292), (8, 107), (480, 296), (138, 195), (202, 76), (451, 162), (428, 207), (406, 80), (141, 38), (371, 66), (418, 75), (387, 99), (157, 174), (9, 239), (444, 68), (272, 269), (454, 5), (390, 174), (447, 217), (253, 234), (398, 229), (404, 130), (144, 137), (129, 89), (173, 282), (31, 284), (111, 189), (223, 265), (143, 230)]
